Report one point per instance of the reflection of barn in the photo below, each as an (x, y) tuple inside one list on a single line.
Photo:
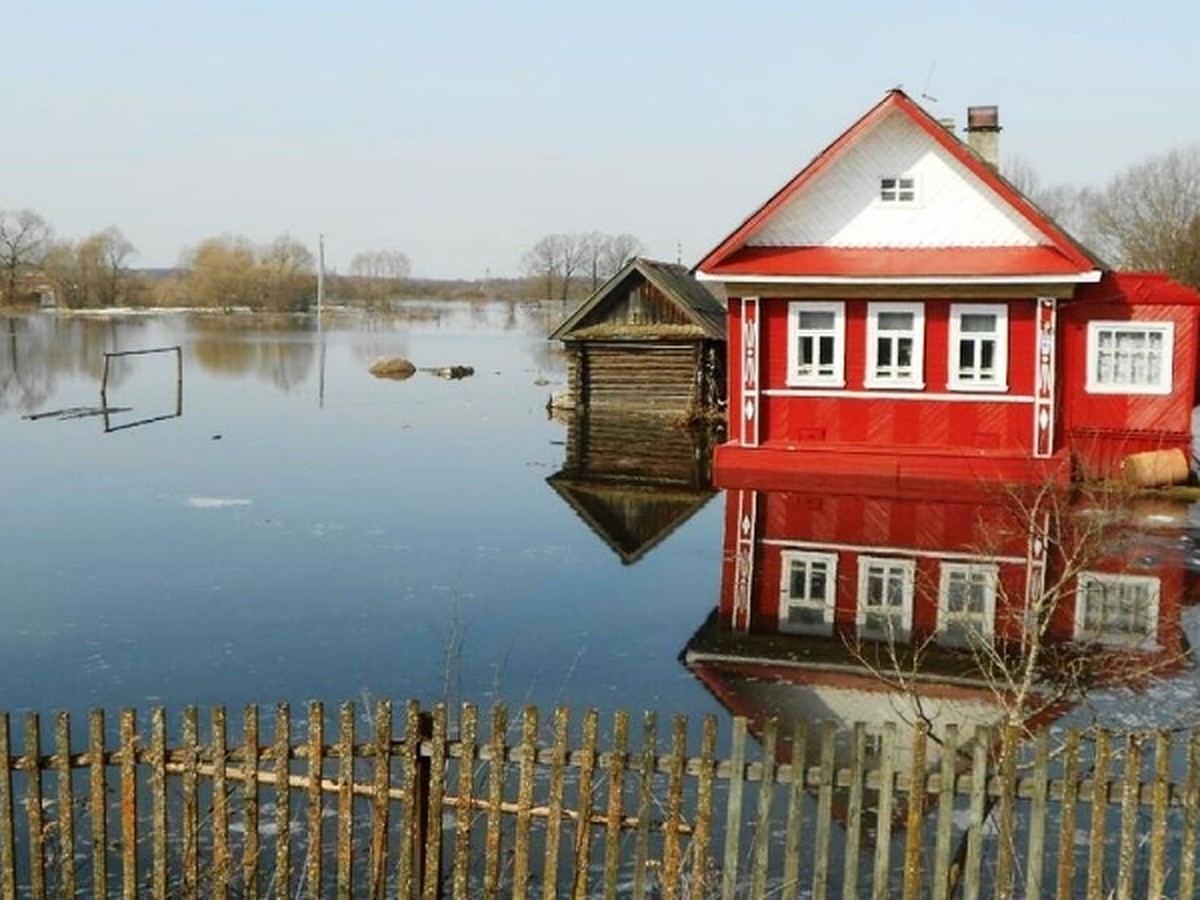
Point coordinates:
[(651, 338), (633, 478)]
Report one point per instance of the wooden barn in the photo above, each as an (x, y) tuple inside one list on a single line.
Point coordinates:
[(899, 308), (651, 338)]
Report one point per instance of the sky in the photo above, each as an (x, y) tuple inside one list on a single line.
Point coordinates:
[(461, 132)]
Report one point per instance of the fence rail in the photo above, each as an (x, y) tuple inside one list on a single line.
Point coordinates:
[(354, 804)]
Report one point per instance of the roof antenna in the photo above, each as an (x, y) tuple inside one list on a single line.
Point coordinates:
[(679, 253), (925, 95)]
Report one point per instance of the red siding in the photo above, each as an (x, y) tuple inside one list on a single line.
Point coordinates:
[(1102, 429), (884, 420)]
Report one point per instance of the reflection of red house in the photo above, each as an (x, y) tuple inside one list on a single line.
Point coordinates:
[(833, 591), (899, 308), (881, 562)]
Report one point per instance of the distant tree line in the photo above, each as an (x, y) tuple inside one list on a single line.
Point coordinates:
[(559, 263)]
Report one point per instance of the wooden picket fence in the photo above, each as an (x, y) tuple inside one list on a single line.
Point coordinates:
[(434, 808)]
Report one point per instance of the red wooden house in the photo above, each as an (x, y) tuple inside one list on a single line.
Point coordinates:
[(900, 308)]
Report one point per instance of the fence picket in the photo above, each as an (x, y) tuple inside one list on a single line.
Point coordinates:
[(129, 829), (316, 820), (33, 806), (705, 779), (191, 803), (66, 803), (1131, 784), (883, 826), (671, 862), (827, 772), (345, 802), (1038, 815), (497, 772), (282, 765), (98, 805), (1065, 875), (583, 821), (466, 790), (798, 775), (1161, 797), (220, 804), (617, 755), (158, 801), (529, 727), (971, 874), (854, 809), (380, 801), (947, 791), (733, 810), (641, 853), (916, 813), (1098, 814), (762, 821), (554, 815), (250, 812)]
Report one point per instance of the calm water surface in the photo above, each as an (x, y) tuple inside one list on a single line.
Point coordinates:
[(306, 531)]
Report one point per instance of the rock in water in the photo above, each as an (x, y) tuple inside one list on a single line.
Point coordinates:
[(396, 367)]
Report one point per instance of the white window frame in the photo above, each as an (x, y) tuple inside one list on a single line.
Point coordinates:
[(1162, 385), (1104, 632), (904, 570), (836, 376), (981, 625), (824, 605), (916, 379), (958, 381), (898, 190)]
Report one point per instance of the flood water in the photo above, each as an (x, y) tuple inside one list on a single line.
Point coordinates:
[(283, 526), (305, 531)]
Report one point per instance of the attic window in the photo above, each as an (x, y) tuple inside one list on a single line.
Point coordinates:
[(898, 189)]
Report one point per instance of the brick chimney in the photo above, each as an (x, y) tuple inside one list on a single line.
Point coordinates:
[(983, 133)]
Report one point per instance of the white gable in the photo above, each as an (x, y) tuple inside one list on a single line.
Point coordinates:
[(841, 206)]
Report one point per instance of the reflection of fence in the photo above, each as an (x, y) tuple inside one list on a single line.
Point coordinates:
[(438, 808), (109, 357)]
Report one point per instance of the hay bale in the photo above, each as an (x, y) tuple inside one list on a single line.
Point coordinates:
[(396, 367), (1155, 468)]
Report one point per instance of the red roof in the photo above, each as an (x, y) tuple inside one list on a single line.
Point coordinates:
[(858, 262), (1152, 288), (1060, 255)]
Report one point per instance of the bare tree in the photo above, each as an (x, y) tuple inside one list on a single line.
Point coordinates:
[(24, 239), (1149, 216), (379, 274), (557, 259), (1065, 204)]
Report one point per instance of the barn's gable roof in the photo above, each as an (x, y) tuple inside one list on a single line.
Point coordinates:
[(703, 310), (963, 220)]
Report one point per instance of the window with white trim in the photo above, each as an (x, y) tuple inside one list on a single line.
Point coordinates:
[(898, 189), (807, 592), (1117, 609), (978, 347), (966, 603), (1130, 357), (816, 344), (885, 598), (895, 345)]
